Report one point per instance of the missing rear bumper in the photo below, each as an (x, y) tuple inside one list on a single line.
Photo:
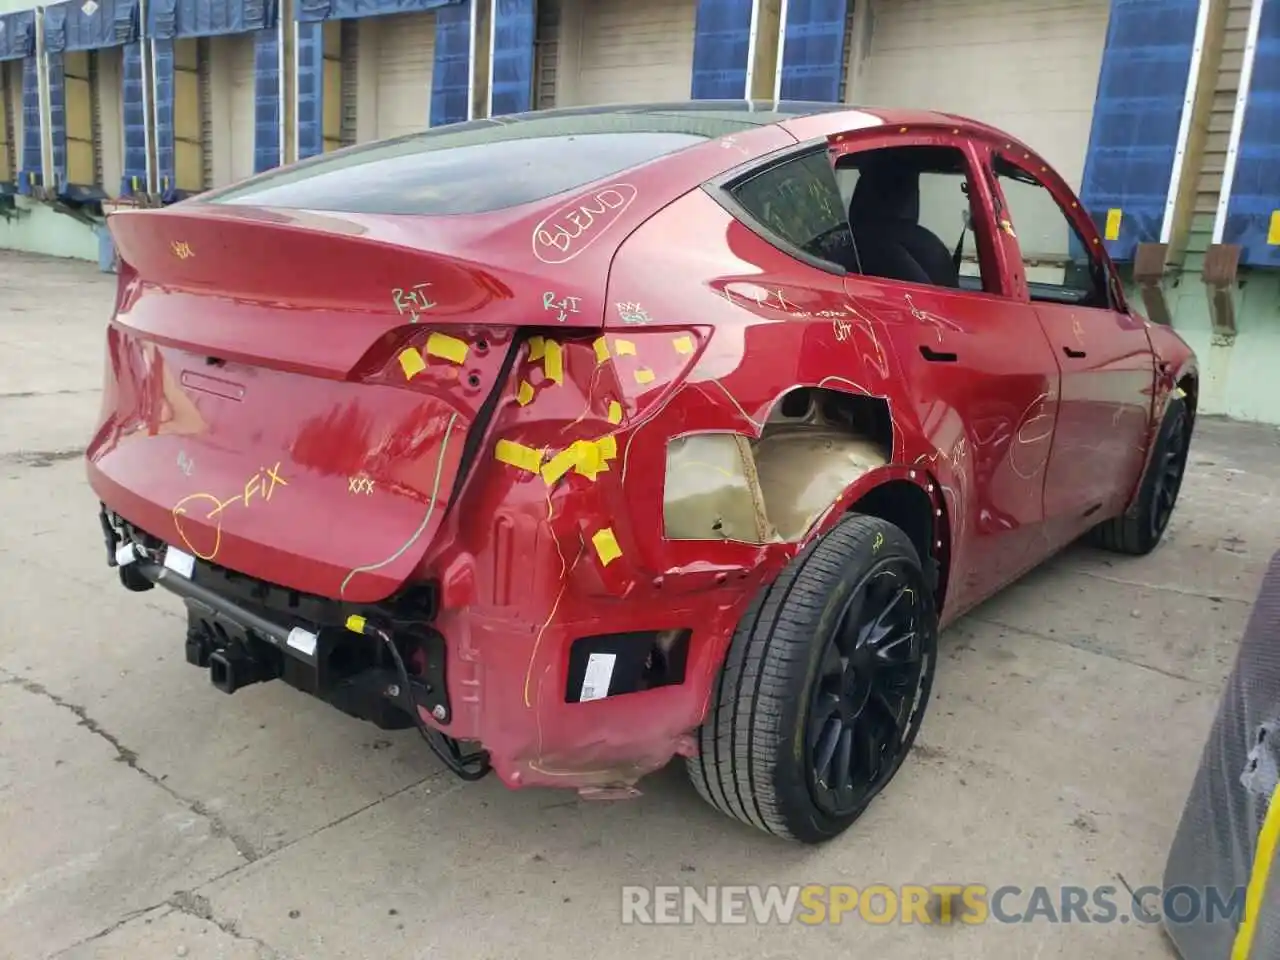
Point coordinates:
[(245, 632)]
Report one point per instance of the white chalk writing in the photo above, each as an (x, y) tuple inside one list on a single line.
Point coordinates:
[(562, 306), (633, 313), (567, 232), (412, 301)]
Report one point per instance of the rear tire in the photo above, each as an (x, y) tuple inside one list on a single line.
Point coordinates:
[(1140, 532), (824, 686)]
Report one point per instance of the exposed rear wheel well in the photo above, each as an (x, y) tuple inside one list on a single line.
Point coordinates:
[(909, 508)]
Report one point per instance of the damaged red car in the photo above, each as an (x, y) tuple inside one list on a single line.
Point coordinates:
[(582, 440)]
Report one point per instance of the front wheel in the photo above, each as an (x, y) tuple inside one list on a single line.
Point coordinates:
[(1139, 532), (824, 686)]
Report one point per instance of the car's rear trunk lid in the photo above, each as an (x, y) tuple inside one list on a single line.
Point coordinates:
[(299, 419)]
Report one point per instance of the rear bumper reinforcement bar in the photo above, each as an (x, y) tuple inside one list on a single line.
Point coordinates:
[(297, 642)]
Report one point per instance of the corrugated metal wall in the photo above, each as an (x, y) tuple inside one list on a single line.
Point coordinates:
[(634, 52), (546, 54), (1225, 88)]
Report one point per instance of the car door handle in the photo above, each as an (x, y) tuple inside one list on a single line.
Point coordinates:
[(934, 356), (1074, 353)]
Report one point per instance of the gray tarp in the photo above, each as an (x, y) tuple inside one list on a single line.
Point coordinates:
[(1217, 845)]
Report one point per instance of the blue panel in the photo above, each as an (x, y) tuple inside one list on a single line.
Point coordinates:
[(266, 100), (813, 50), (721, 44), (310, 106), (451, 74), (17, 35), (18, 42), (1143, 81), (58, 118), (162, 73), (169, 19), (1255, 192), (311, 11), (109, 23), (32, 163), (134, 105), (514, 26)]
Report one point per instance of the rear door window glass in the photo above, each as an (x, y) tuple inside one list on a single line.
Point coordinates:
[(800, 202)]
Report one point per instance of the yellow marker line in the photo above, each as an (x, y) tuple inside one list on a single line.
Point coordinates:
[(1263, 863), (431, 509)]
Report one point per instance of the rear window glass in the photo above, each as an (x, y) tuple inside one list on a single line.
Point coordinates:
[(477, 167)]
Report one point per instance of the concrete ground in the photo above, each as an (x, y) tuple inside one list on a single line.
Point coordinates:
[(143, 814)]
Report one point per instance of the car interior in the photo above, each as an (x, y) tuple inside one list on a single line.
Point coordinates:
[(884, 213), (904, 213)]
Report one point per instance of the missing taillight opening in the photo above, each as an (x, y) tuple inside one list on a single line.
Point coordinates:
[(614, 664)]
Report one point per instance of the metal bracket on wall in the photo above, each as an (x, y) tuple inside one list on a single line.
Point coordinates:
[(1221, 264), (87, 213), (1148, 273), (9, 209)]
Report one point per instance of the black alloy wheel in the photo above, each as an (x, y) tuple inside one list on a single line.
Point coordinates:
[(824, 686), (1168, 471), (1140, 529), (868, 690)]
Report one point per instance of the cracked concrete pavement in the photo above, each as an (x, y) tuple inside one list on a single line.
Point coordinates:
[(143, 814)]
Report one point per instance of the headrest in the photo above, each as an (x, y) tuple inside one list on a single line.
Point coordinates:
[(887, 189)]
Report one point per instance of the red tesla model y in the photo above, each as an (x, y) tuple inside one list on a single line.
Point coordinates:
[(584, 439)]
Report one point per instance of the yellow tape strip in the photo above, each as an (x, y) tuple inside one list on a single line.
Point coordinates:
[(644, 376), (1273, 229), (518, 455), (615, 411), (411, 363), (606, 545), (683, 344), (560, 464), (1112, 231), (589, 458), (524, 394), (537, 345), (355, 623), (589, 463), (553, 364), (446, 347), (602, 350), (1263, 863), (624, 348)]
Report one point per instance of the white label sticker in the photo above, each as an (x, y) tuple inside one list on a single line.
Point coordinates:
[(595, 682), (89, 8), (303, 640), (183, 564), (126, 554)]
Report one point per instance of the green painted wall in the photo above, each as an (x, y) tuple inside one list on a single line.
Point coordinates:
[(36, 228), (1238, 376)]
